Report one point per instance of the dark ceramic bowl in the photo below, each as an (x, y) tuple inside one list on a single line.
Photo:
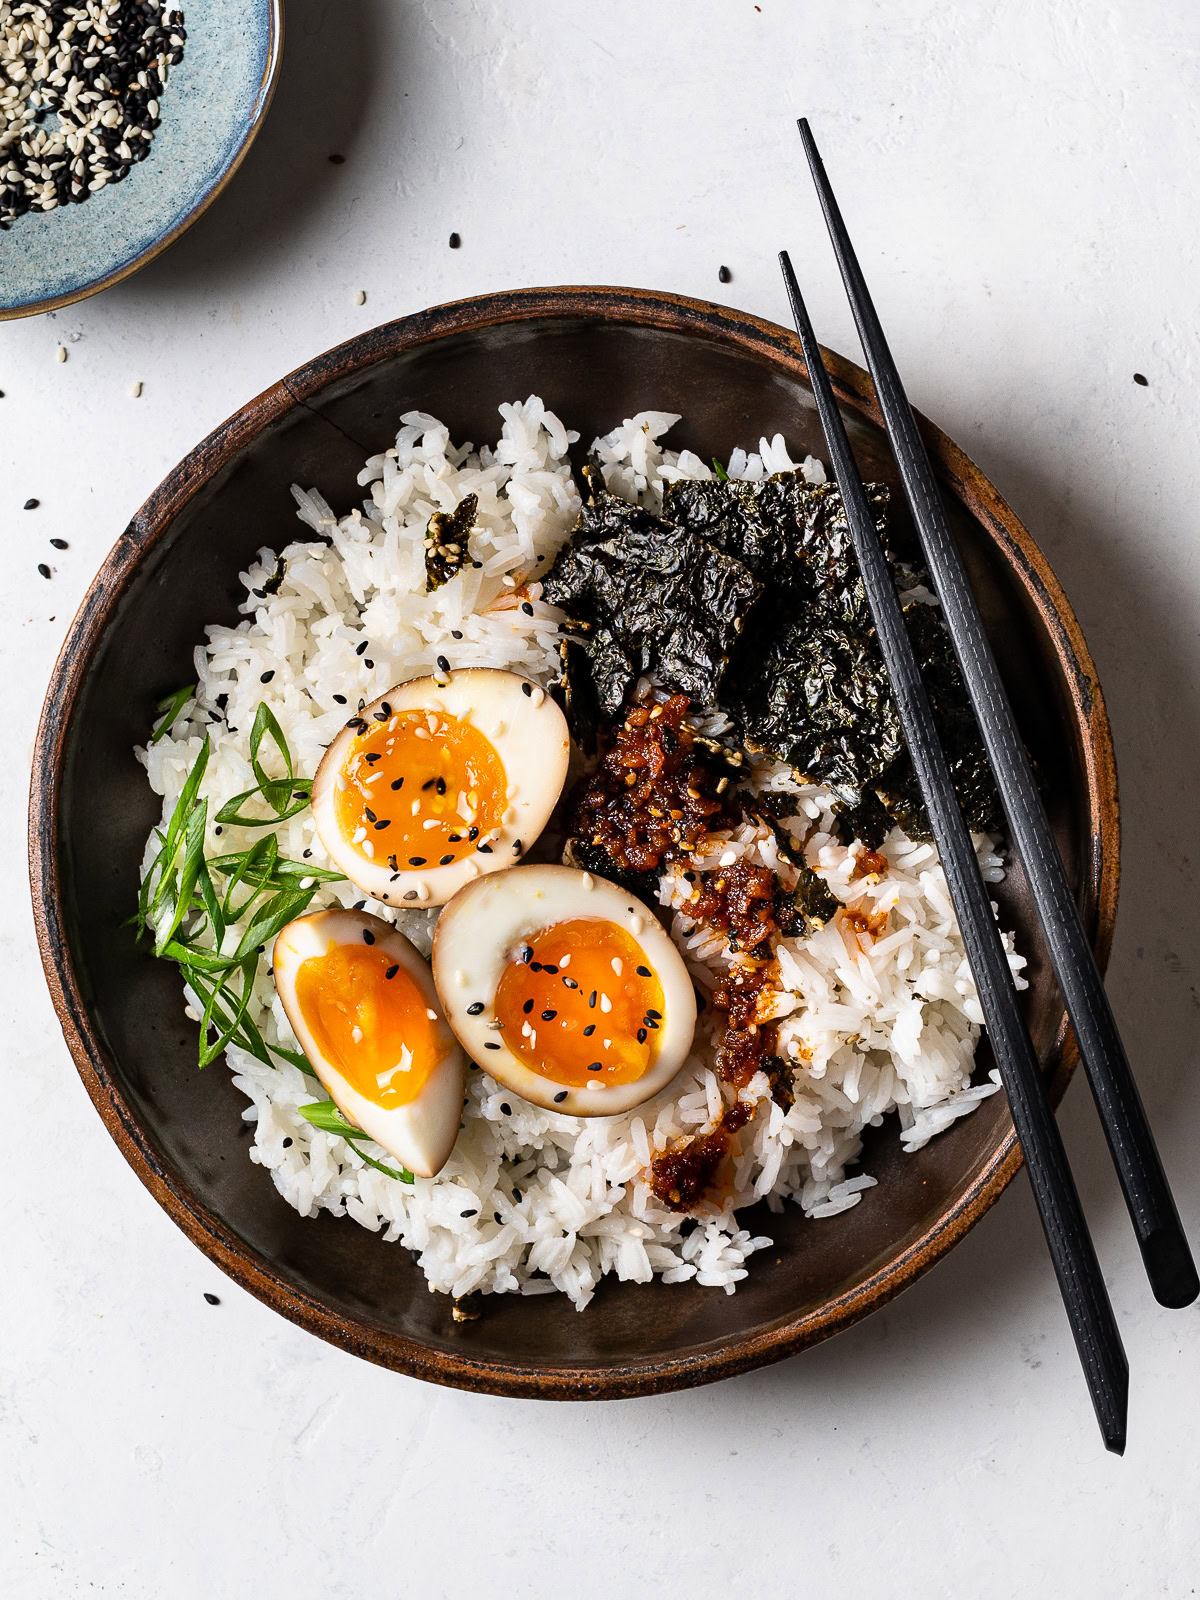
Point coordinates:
[(595, 355)]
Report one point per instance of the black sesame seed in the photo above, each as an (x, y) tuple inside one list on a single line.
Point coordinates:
[(484, 848), (43, 569), (454, 838), (535, 966), (655, 1015), (371, 757), (560, 1097), (644, 972), (517, 848), (570, 983), (416, 861), (641, 1036), (307, 855), (506, 1108), (369, 814), (392, 971), (211, 1298), (1138, 377), (470, 1212), (526, 608), (472, 834), (59, 544), (443, 664), (495, 1216), (526, 954), (360, 905), (549, 1016), (527, 1007), (445, 861), (456, 633), (379, 716), (287, 1142), (589, 1030), (596, 1066), (340, 699), (491, 1045), (474, 1009), (724, 275), (551, 969), (526, 688), (267, 676), (32, 505), (397, 783), (361, 649), (368, 936), (384, 822), (592, 1001), (218, 828), (440, 785), (428, 784), (410, 894), (454, 241), (385, 708)]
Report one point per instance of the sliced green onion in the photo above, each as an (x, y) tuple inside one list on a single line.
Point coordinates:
[(171, 707), (325, 1115)]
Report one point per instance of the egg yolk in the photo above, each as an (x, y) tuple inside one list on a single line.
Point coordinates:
[(370, 1021), (420, 789), (579, 1001)]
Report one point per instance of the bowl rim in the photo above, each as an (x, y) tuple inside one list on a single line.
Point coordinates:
[(266, 93), (659, 311)]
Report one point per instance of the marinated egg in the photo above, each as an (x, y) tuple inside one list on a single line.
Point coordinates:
[(565, 988), (440, 781), (361, 1001)]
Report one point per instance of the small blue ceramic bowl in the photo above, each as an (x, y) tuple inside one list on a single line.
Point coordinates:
[(212, 107)]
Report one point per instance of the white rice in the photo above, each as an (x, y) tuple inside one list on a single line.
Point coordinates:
[(533, 1201)]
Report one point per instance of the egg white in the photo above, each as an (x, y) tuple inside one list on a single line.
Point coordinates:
[(528, 732), (477, 937), (421, 1134)]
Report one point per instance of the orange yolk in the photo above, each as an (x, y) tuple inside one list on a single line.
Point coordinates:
[(369, 1020), (420, 789), (581, 1002)]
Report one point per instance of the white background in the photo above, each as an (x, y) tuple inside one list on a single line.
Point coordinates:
[(1021, 180)]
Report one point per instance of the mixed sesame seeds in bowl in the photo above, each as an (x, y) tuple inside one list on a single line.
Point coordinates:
[(593, 355), (120, 121)]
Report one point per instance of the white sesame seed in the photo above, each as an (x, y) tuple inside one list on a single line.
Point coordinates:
[(135, 389), (61, 353), (360, 297)]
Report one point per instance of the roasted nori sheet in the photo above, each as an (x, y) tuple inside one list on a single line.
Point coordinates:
[(446, 542), (808, 684), (649, 597)]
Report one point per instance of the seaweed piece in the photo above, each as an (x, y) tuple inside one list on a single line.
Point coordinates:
[(818, 698), (655, 599), (594, 858), (806, 908), (446, 547), (792, 535), (809, 685)]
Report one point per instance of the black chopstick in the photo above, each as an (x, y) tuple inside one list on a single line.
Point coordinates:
[(1071, 1250), (1160, 1236)]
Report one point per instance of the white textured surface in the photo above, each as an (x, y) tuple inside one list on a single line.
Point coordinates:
[(1020, 179)]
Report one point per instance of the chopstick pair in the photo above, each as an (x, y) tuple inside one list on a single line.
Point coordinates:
[(1165, 1251)]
